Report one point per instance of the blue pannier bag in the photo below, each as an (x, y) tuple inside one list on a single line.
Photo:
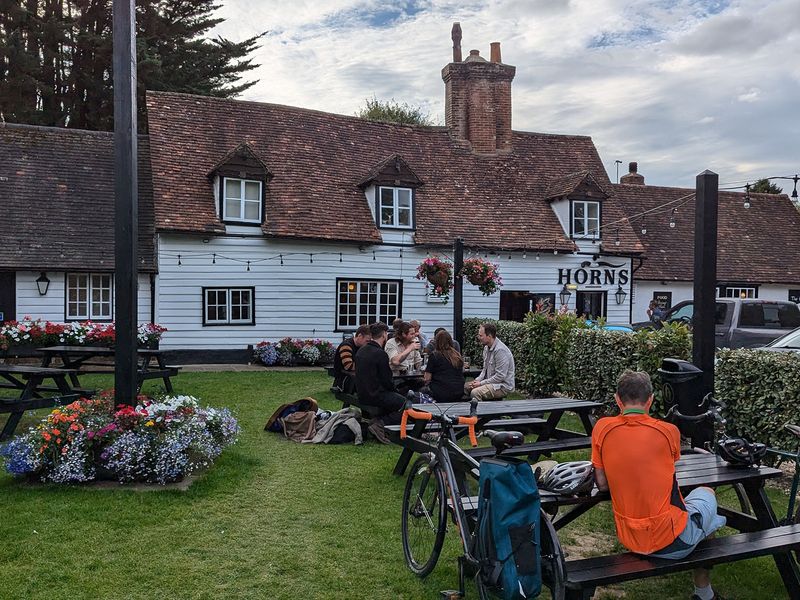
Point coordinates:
[(507, 544)]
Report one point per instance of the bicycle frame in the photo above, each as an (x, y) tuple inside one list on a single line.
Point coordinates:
[(794, 456)]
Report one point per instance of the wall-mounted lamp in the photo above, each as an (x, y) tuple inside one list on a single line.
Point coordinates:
[(564, 295), (42, 283), (620, 294)]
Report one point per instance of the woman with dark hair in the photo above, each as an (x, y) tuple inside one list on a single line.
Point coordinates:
[(444, 375)]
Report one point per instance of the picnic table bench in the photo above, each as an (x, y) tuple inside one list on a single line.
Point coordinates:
[(28, 381), (77, 358)]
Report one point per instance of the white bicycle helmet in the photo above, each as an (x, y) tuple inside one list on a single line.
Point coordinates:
[(570, 478), (542, 468)]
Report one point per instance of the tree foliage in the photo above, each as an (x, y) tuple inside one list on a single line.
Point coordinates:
[(56, 58), (392, 111), (765, 186)]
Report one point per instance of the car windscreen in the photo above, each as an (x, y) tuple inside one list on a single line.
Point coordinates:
[(772, 315), (790, 340)]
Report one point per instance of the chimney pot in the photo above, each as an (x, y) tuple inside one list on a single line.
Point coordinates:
[(474, 52), (633, 167), (633, 177), (455, 35), (495, 53)]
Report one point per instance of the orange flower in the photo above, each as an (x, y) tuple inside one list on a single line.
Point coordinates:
[(56, 432), (46, 436), (74, 427), (58, 440)]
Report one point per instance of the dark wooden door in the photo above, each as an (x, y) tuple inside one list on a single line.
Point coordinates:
[(8, 296), (514, 305)]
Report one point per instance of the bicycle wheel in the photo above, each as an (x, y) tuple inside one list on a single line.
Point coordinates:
[(741, 495), (554, 569), (424, 519)]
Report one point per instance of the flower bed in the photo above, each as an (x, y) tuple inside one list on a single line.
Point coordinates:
[(289, 352), (36, 332), (155, 442)]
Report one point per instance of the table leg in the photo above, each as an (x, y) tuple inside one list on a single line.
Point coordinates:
[(586, 420), (762, 509), (168, 384), (28, 392), (68, 364), (47, 359), (61, 383), (407, 453), (550, 426)]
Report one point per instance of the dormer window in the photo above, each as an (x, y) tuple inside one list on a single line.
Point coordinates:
[(240, 183), (395, 207), (242, 200), (585, 219)]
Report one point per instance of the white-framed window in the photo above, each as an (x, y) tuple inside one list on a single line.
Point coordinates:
[(585, 219), (241, 200), (395, 207), (365, 302), (88, 297), (229, 306), (737, 292)]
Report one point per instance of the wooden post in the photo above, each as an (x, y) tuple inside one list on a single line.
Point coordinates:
[(458, 295), (705, 283), (126, 201)]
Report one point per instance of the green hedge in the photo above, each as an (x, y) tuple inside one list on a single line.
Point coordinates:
[(761, 392)]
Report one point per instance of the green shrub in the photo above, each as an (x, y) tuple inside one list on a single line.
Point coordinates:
[(547, 340), (761, 393)]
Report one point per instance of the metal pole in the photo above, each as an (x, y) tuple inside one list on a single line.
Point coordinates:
[(126, 200), (705, 282), (458, 295)]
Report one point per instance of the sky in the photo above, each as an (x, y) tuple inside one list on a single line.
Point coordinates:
[(679, 86)]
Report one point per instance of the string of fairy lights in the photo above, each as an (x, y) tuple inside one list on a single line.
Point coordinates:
[(671, 207)]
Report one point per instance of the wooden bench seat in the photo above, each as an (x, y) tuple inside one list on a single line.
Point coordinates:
[(535, 449), (585, 575), (502, 424), (10, 405)]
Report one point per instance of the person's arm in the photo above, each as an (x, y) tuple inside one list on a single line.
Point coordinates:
[(385, 377), (346, 355), (426, 377), (600, 479)]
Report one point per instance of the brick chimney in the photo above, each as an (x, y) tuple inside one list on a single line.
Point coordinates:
[(478, 97), (633, 177)]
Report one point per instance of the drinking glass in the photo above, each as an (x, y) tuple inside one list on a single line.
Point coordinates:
[(466, 362)]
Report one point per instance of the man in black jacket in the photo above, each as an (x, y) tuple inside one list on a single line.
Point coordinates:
[(344, 360), (374, 381)]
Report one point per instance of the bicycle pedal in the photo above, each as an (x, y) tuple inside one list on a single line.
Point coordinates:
[(450, 595)]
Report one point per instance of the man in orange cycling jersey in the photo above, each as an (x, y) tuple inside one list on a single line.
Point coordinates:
[(634, 458)]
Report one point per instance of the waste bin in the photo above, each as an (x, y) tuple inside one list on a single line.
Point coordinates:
[(683, 386)]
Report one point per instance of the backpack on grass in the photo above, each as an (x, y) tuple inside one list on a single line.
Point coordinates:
[(296, 420), (509, 519)]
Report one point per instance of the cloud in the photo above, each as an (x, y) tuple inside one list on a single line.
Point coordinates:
[(677, 85)]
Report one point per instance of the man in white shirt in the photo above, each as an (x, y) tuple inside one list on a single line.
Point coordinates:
[(497, 377)]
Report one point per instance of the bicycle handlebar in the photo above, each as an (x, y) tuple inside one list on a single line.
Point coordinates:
[(443, 419)]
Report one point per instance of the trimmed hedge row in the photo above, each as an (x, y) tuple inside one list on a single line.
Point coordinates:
[(761, 392)]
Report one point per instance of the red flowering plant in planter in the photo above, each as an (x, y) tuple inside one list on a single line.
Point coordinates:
[(439, 274), (483, 274)]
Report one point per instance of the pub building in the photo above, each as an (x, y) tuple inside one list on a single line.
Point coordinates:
[(261, 221)]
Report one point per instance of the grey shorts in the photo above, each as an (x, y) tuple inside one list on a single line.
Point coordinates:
[(701, 504)]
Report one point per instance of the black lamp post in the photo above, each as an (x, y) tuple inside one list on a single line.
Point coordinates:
[(564, 295), (620, 294), (42, 282)]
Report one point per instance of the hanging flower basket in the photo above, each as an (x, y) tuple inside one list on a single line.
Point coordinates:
[(439, 274), (483, 274)]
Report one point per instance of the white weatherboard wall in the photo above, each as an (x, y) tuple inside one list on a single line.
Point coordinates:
[(683, 290), (298, 299), (51, 307)]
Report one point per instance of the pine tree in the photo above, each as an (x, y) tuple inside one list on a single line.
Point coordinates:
[(764, 186), (56, 56)]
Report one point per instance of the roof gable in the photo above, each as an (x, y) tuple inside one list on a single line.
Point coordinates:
[(392, 171), (242, 162), (575, 185)]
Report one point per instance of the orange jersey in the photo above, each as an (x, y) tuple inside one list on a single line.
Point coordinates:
[(638, 454)]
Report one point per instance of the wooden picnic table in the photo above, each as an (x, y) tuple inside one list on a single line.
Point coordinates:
[(692, 471), (550, 438), (28, 381), (77, 358), (419, 375)]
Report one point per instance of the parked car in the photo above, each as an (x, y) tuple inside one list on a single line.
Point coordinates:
[(745, 323), (787, 343)]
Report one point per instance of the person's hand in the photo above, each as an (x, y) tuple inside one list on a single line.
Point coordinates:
[(473, 384), (415, 346)]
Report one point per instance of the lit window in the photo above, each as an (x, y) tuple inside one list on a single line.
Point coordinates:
[(737, 292), (241, 200), (88, 296), (585, 219), (365, 302), (395, 208), (228, 306)]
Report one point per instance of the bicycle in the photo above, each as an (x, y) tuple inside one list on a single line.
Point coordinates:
[(438, 483), (792, 517)]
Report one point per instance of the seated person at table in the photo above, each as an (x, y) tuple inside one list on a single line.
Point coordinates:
[(423, 339), (444, 375), (497, 376), (429, 347), (374, 381), (344, 366), (634, 458), (403, 351)]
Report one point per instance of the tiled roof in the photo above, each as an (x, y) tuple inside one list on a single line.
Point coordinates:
[(569, 184), (57, 208), (318, 159), (760, 244)]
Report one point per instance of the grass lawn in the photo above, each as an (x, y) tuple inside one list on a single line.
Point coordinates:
[(272, 519)]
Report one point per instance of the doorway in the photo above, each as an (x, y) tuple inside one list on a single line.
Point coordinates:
[(8, 296), (514, 305), (591, 305)]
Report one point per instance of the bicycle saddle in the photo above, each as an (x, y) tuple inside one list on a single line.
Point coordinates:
[(794, 429), (505, 439)]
